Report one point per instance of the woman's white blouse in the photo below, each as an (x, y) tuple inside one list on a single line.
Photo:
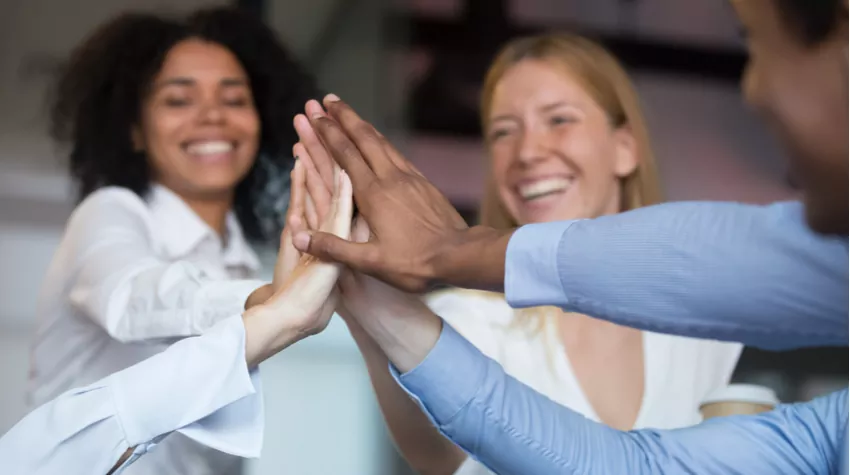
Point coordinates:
[(679, 372), (129, 277)]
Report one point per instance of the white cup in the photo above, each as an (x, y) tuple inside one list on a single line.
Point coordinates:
[(738, 399)]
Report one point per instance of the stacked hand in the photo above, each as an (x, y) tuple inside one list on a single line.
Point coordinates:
[(407, 235), (368, 305), (417, 237), (302, 296)]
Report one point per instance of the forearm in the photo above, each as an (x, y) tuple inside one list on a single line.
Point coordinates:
[(199, 386), (420, 443), (404, 334), (724, 271), (512, 429), (475, 261), (152, 300), (266, 334)]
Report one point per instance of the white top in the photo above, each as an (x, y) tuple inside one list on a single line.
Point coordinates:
[(199, 387), (129, 277), (679, 372)]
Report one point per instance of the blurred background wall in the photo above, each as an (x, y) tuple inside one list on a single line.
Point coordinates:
[(413, 67)]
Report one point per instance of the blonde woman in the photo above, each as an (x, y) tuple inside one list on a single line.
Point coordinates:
[(566, 140)]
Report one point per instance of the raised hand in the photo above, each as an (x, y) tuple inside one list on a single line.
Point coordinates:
[(392, 317), (417, 237), (304, 298)]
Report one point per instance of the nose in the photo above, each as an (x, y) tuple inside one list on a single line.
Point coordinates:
[(532, 147), (212, 113)]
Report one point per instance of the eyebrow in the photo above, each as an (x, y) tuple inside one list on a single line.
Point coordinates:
[(546, 108), (186, 81), (556, 105)]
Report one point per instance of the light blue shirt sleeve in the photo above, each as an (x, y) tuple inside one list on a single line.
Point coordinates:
[(512, 429), (725, 271), (199, 386)]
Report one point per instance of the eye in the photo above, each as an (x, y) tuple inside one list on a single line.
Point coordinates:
[(177, 102), (240, 101), (497, 134), (561, 119)]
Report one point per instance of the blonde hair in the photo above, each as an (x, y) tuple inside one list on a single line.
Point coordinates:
[(601, 76)]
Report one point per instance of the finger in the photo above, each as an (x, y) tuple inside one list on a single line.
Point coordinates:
[(317, 190), (339, 223), (320, 157), (345, 153), (360, 230), (295, 214), (358, 256), (363, 134), (310, 213), (287, 258)]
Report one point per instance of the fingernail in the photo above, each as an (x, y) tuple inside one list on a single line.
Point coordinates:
[(332, 98), (317, 115), (301, 241)]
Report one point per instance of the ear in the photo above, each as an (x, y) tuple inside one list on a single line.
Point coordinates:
[(136, 138), (626, 156)]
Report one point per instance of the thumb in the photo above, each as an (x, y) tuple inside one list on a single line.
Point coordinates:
[(326, 246)]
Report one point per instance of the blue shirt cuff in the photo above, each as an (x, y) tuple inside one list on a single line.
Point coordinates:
[(447, 379), (531, 265)]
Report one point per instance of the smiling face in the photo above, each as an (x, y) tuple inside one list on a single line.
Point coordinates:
[(555, 154), (199, 127)]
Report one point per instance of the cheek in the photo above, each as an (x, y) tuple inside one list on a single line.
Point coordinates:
[(590, 151), (249, 122), (162, 129)]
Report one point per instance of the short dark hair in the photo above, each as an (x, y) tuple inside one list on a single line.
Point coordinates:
[(812, 21), (97, 100)]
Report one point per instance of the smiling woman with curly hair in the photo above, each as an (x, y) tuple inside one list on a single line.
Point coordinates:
[(179, 134)]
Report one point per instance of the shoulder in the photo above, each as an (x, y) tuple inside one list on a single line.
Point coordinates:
[(109, 200), (108, 208)]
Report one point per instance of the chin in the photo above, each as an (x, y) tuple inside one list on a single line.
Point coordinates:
[(215, 187)]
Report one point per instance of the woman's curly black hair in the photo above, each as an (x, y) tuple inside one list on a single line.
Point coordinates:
[(98, 99)]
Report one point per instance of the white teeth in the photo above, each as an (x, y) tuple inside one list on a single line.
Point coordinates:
[(209, 148), (544, 187)]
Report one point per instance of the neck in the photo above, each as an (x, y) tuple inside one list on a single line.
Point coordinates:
[(212, 210)]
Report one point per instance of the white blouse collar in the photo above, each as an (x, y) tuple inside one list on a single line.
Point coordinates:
[(184, 230)]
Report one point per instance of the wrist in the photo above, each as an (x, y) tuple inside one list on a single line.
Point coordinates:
[(405, 335), (475, 260), (267, 332)]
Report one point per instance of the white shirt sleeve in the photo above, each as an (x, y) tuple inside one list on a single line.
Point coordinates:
[(199, 386), (119, 281)]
